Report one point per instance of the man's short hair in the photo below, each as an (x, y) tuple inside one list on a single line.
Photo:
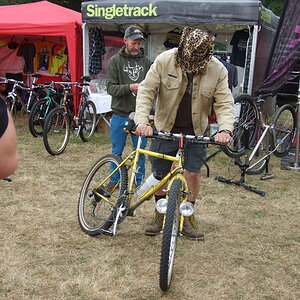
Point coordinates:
[(133, 33)]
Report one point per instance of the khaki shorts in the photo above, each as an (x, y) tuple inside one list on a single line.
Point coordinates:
[(195, 155)]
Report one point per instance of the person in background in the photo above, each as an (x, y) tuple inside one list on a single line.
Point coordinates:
[(126, 70), (184, 80), (8, 143)]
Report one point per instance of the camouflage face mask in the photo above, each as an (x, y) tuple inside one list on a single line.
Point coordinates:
[(195, 49)]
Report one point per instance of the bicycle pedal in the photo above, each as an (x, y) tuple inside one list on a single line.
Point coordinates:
[(267, 176)]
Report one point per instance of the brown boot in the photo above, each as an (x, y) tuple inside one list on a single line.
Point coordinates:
[(156, 224), (190, 229)]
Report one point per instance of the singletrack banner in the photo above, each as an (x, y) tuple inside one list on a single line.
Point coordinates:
[(172, 11)]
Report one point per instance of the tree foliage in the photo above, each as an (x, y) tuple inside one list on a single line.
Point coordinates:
[(276, 6)]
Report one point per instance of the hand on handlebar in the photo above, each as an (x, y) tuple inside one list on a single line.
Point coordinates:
[(144, 130), (222, 137)]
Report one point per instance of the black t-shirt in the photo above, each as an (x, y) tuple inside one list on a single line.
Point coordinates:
[(183, 122), (3, 116), (239, 47)]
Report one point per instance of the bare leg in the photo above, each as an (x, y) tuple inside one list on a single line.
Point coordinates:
[(193, 180)]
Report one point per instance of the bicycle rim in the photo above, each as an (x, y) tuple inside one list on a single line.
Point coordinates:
[(56, 131), (246, 125), (87, 121), (37, 117), (284, 130), (98, 201), (170, 234)]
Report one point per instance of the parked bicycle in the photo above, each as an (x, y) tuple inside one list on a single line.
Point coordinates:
[(21, 97), (61, 120), (100, 209), (256, 137), (42, 107), (253, 132)]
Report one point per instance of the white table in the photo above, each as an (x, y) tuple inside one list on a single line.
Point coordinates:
[(102, 102)]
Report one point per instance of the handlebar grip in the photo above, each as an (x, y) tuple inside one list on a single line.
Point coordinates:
[(130, 127)]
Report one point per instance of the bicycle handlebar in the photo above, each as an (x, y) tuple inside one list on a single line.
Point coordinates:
[(189, 137), (131, 128)]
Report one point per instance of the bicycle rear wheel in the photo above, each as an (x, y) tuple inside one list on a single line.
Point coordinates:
[(284, 130), (98, 197), (56, 131), (246, 125), (170, 234), (87, 121)]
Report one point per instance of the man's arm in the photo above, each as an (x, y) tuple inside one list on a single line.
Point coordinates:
[(8, 150), (147, 93)]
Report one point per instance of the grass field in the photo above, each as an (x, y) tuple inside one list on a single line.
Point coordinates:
[(251, 247)]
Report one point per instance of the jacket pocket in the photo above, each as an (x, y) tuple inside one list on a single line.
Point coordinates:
[(207, 100), (170, 83)]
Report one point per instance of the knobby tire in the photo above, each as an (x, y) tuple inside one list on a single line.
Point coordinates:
[(96, 213), (170, 234)]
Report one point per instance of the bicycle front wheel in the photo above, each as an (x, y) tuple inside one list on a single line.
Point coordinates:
[(87, 121), (56, 131), (170, 234), (284, 130), (99, 196), (246, 124), (37, 117)]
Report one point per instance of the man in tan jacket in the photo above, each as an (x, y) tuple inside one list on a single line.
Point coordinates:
[(184, 81)]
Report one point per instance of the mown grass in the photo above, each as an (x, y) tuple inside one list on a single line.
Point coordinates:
[(251, 248)]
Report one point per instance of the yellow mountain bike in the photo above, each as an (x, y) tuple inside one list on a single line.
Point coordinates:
[(101, 209)]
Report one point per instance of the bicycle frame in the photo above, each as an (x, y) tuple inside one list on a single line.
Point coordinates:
[(74, 117), (267, 130), (175, 173), (15, 96), (253, 132)]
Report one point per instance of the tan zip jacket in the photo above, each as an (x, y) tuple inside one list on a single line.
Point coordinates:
[(166, 83)]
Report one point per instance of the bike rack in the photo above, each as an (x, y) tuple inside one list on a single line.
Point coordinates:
[(243, 168), (296, 166)]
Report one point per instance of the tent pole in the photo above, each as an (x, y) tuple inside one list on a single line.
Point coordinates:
[(252, 61), (295, 166), (85, 49)]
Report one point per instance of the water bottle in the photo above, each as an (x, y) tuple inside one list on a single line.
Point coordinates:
[(149, 182)]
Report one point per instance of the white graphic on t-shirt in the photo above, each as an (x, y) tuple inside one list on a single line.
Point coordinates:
[(242, 45), (133, 72)]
